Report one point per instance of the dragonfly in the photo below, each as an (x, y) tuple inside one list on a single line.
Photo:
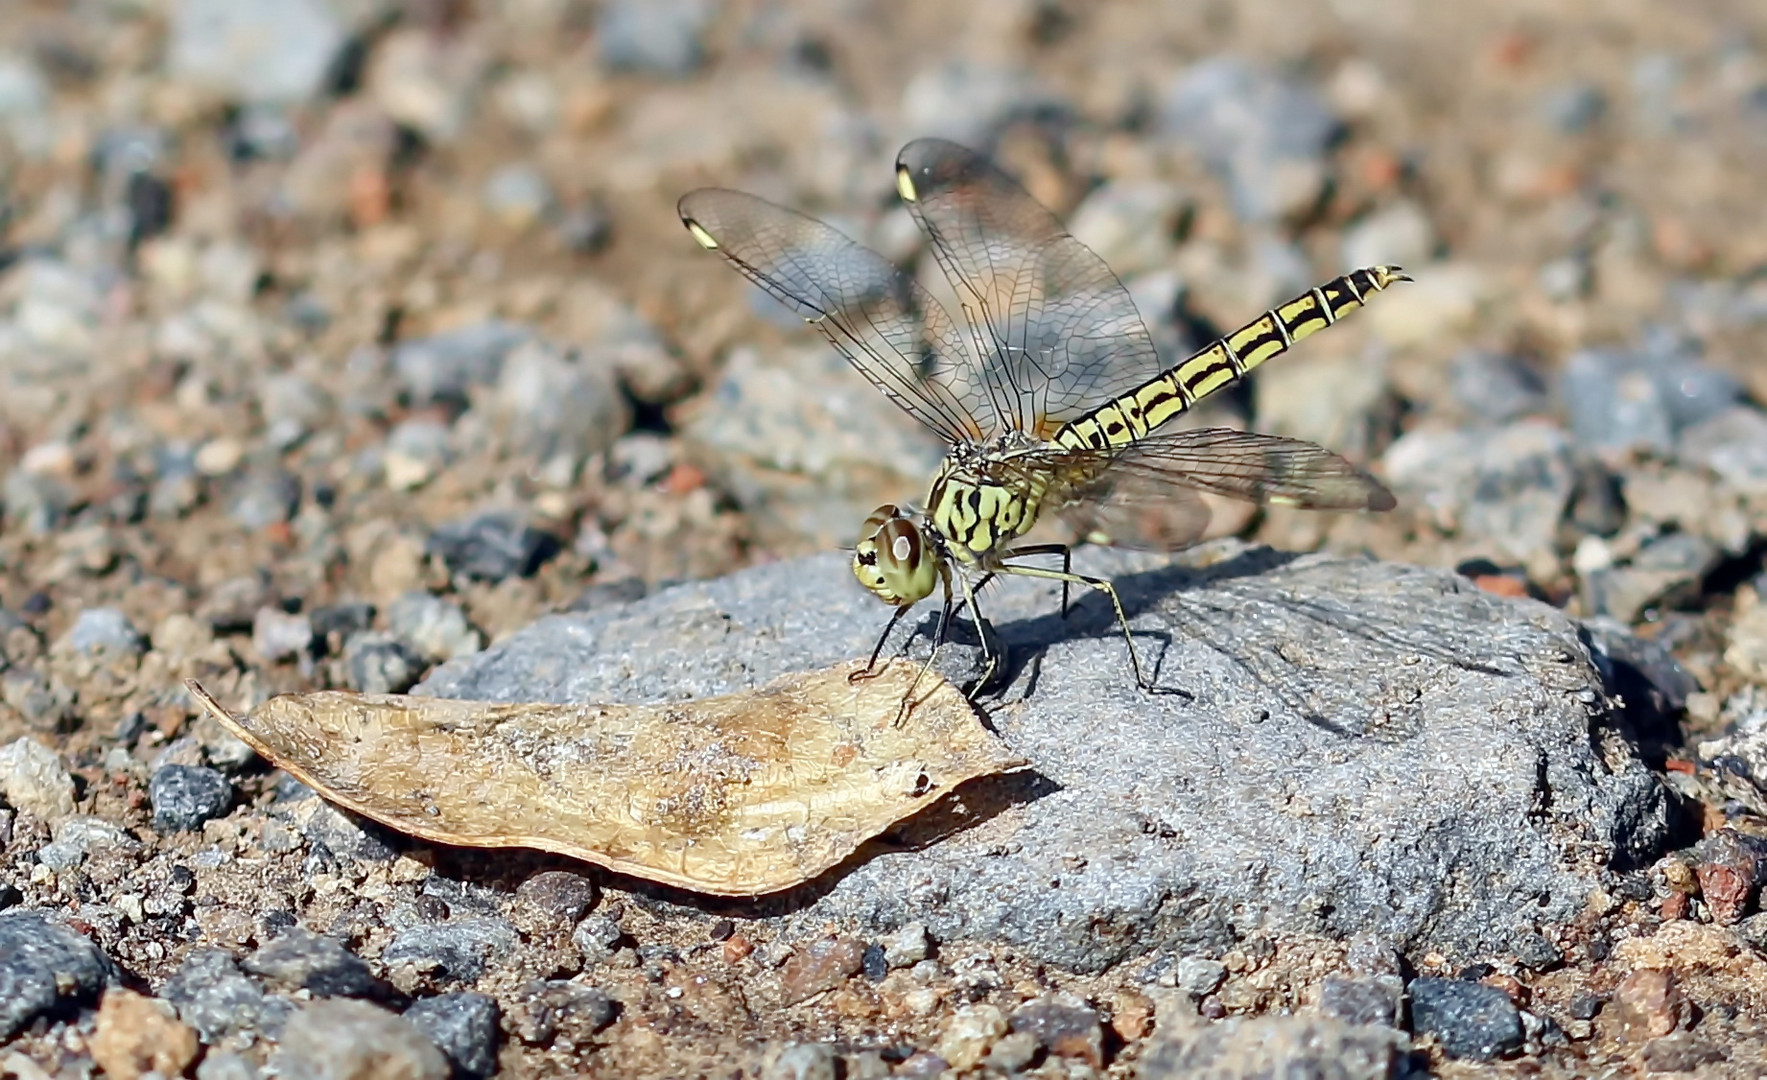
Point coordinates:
[(1049, 393)]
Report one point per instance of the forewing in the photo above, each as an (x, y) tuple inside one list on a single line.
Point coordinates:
[(1056, 331), (1120, 487), (879, 318)]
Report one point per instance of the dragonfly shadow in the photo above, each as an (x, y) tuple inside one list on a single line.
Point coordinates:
[(1319, 636)]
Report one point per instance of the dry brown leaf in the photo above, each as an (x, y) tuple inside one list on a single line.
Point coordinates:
[(735, 795)]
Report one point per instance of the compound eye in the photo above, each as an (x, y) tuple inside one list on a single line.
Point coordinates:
[(898, 544), (885, 513)]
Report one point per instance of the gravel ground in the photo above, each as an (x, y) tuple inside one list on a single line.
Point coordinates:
[(354, 344)]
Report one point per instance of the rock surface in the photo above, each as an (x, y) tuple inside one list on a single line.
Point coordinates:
[(1344, 746)]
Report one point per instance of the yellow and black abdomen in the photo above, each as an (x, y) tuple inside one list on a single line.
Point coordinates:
[(1141, 410)]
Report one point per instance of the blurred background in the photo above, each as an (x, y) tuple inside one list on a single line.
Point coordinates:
[(338, 337)]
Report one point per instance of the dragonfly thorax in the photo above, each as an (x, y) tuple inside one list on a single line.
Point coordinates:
[(980, 501)]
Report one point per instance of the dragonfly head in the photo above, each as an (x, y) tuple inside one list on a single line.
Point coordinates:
[(893, 558)]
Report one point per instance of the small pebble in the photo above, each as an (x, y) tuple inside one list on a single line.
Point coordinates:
[(492, 546), (907, 946), (558, 898), (1468, 1019), (465, 1026), (136, 1034), (1648, 1004), (280, 636), (658, 37), (557, 1009), (597, 937), (803, 1061), (33, 778), (1198, 975), (1068, 1029), (435, 628), (378, 663), (45, 966), (460, 950), (821, 965), (343, 1039), (185, 796), (104, 631), (970, 1034), (302, 960)]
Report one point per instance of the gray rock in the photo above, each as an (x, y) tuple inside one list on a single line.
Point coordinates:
[(1265, 134), (803, 1061), (185, 796), (214, 998), (444, 367), (264, 497), (1435, 720), (1733, 444), (104, 631), (435, 628), (333, 830), (1508, 488), (492, 546), (341, 1039), (254, 50), (659, 37), (1665, 572), (46, 969), (518, 194), (967, 99), (1493, 388), (33, 778), (380, 664), (906, 946), (597, 938), (1374, 1000), (1396, 235), (557, 403), (76, 837), (464, 1026), (805, 446), (226, 1066), (555, 1008), (1573, 108), (303, 960), (279, 636), (1198, 975), (456, 950), (33, 503), (1292, 1047), (1642, 397), (1469, 1019), (46, 704)]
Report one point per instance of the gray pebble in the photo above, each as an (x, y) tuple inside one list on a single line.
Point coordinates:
[(444, 367), (435, 628), (45, 704), (32, 777), (492, 546), (464, 1025), (519, 194), (1267, 135), (341, 1039), (185, 796), (378, 663), (264, 497), (553, 1009), (1198, 975), (214, 998), (659, 37), (76, 837), (254, 50), (1372, 1000), (907, 946), (597, 937), (1494, 387), (803, 1061), (1733, 444), (35, 504), (457, 950), (279, 636), (1469, 1019), (556, 898), (104, 631), (340, 833), (226, 1066), (303, 960), (44, 967), (559, 403), (1574, 108)]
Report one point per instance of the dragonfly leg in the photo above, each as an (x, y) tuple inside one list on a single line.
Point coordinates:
[(1067, 565), (945, 612), (1066, 576), (990, 658), (877, 650)]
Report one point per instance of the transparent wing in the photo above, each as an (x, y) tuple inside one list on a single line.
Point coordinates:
[(1114, 493), (879, 318), (1056, 331)]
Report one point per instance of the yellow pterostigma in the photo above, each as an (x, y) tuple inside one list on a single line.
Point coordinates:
[(1050, 393)]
